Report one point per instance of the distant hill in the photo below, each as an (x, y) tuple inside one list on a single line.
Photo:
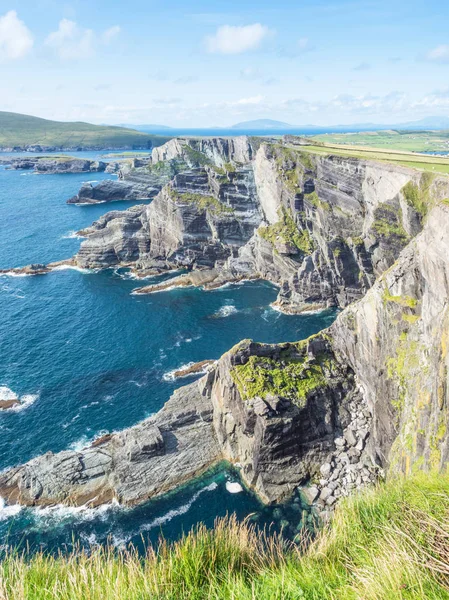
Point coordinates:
[(18, 130), (151, 128), (262, 124)]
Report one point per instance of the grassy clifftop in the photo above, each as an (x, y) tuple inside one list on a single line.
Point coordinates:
[(24, 130), (391, 543)]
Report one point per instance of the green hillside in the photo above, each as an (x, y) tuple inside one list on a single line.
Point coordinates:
[(24, 130), (411, 141)]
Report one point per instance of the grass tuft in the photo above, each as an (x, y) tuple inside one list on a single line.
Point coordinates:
[(387, 543)]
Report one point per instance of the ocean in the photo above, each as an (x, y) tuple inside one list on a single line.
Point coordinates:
[(86, 357)]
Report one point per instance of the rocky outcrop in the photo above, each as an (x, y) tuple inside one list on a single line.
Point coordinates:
[(57, 164), (180, 228), (113, 191), (197, 152), (131, 466)]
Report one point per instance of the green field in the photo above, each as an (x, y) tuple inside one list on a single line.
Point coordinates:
[(24, 130), (388, 543), (412, 141), (437, 164)]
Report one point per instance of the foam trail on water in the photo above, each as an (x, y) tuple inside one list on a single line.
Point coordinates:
[(226, 311)]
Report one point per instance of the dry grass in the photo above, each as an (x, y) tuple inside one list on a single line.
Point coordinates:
[(390, 543)]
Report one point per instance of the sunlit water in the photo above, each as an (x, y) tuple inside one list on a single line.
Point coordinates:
[(87, 357)]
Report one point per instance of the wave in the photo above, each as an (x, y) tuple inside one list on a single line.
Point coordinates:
[(73, 268), (8, 511), (226, 311), (72, 235), (177, 512), (15, 274), (24, 401), (170, 375)]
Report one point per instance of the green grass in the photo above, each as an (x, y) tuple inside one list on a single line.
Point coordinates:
[(411, 141), (435, 164), (389, 543), (286, 231), (25, 130)]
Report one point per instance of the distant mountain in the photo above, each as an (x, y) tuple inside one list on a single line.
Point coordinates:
[(18, 130), (427, 123), (146, 128), (262, 124)]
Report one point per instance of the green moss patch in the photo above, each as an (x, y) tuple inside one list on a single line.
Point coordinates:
[(286, 231), (209, 203), (292, 376), (419, 196), (388, 223)]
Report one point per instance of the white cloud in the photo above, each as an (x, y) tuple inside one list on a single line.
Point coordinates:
[(303, 43), (108, 35), (73, 42), (245, 101), (70, 41), (230, 39), (15, 37), (439, 54)]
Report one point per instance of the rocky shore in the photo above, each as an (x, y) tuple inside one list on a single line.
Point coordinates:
[(56, 164)]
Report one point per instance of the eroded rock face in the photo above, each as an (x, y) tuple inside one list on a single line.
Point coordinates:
[(321, 227), (174, 446), (395, 339)]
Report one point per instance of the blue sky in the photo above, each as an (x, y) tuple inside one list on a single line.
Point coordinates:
[(201, 64)]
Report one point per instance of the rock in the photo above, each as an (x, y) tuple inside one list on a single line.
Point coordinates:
[(325, 470), (310, 494), (57, 164), (194, 369), (131, 466), (350, 437)]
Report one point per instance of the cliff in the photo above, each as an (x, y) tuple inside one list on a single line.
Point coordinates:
[(321, 227)]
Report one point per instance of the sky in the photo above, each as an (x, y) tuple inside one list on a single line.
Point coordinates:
[(206, 64)]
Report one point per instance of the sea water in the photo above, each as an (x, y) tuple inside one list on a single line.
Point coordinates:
[(86, 357)]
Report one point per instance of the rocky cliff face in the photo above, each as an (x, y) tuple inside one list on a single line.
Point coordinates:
[(368, 395), (321, 227)]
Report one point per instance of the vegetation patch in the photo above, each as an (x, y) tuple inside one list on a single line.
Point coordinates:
[(388, 223), (386, 543), (196, 157), (286, 231), (418, 196), (315, 200), (293, 376), (404, 301), (209, 203)]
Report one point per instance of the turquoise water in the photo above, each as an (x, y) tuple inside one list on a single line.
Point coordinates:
[(88, 357)]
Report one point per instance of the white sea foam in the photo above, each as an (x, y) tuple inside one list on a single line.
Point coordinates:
[(176, 512), (25, 401), (73, 268), (72, 235), (48, 515), (226, 311), (8, 511), (233, 487), (170, 376), (15, 274)]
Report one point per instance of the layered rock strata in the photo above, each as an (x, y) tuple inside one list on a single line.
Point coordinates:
[(321, 227)]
